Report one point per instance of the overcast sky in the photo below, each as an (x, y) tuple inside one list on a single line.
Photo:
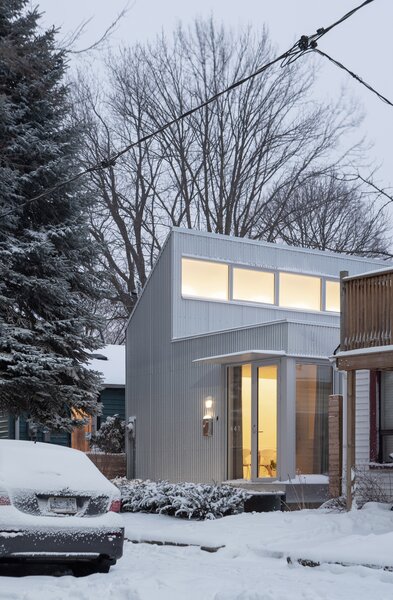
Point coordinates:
[(364, 43)]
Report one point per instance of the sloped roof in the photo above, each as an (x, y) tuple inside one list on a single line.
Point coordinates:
[(110, 361)]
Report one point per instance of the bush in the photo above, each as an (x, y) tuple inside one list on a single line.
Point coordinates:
[(182, 500), (110, 438)]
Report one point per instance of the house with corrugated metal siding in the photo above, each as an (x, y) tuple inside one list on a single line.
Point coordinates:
[(227, 362), (110, 362)]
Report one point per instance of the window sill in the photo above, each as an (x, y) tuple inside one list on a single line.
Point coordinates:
[(380, 466)]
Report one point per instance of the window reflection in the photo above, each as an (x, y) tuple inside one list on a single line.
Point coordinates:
[(313, 387)]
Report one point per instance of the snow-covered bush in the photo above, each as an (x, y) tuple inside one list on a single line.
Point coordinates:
[(110, 437), (370, 488), (183, 500)]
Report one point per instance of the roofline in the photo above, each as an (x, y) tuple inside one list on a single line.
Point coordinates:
[(278, 246), (149, 276), (253, 326)]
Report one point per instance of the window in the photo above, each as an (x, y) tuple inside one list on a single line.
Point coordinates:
[(253, 286), (313, 387), (332, 299), (203, 279), (386, 417), (300, 291)]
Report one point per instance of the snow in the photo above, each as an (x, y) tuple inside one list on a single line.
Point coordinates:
[(251, 566), (114, 368), (48, 467)]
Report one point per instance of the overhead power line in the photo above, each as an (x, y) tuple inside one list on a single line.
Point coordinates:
[(352, 74), (305, 44)]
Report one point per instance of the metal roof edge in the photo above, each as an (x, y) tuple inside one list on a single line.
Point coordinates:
[(168, 237), (253, 326), (278, 246)]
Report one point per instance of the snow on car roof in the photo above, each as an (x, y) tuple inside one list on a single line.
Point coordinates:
[(47, 467)]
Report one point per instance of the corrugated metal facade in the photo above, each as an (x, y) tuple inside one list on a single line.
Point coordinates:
[(165, 389), (196, 317)]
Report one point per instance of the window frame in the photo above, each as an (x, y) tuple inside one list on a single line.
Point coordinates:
[(206, 260), (257, 270), (276, 274)]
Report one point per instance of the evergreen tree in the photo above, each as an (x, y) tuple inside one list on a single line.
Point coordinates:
[(45, 287)]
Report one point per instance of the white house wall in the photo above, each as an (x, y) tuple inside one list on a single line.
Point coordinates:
[(384, 478)]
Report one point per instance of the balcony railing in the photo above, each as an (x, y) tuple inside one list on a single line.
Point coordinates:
[(366, 310)]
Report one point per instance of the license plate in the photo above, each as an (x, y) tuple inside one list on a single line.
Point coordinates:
[(63, 505)]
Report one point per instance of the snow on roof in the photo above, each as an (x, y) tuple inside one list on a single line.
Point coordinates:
[(110, 361)]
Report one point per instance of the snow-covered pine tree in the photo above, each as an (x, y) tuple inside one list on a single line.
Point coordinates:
[(45, 287)]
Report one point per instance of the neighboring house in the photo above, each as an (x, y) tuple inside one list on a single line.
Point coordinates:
[(366, 354), (227, 368), (110, 361)]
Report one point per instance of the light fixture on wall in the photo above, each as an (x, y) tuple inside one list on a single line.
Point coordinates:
[(207, 421), (208, 407)]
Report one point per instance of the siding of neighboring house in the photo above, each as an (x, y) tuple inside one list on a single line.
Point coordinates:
[(61, 439), (384, 477), (113, 403), (362, 418), (4, 426)]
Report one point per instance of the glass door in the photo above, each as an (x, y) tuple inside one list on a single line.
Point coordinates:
[(252, 421), (267, 421)]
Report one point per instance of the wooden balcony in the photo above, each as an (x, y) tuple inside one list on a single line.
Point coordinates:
[(366, 321)]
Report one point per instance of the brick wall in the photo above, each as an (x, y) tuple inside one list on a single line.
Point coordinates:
[(335, 445), (111, 465)]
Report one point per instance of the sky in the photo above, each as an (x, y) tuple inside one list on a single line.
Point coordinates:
[(363, 43)]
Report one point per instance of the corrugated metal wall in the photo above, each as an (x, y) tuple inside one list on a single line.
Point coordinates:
[(165, 390), (195, 316)]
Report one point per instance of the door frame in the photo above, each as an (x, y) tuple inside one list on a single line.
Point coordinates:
[(278, 362), (254, 417)]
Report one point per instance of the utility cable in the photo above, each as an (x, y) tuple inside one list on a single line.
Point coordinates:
[(352, 74), (304, 45)]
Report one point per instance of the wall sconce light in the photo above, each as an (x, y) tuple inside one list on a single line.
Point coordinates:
[(207, 421)]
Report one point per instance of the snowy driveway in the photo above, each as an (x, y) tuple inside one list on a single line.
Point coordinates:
[(244, 569)]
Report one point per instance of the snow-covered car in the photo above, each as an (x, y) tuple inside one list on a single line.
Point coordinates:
[(56, 506)]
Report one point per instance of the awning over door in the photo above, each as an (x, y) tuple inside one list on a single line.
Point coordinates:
[(245, 356)]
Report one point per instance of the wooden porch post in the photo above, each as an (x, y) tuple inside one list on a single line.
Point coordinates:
[(351, 432)]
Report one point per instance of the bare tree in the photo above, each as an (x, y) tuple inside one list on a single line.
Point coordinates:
[(235, 167), (329, 213)]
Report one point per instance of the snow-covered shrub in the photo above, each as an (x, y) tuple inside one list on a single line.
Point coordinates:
[(110, 437), (335, 504), (183, 500), (369, 488)]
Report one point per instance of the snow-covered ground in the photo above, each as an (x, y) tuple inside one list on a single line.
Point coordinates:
[(251, 566)]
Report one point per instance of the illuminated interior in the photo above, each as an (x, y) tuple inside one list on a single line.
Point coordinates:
[(332, 298), (253, 286), (241, 461), (203, 279), (267, 421), (300, 291), (208, 280)]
